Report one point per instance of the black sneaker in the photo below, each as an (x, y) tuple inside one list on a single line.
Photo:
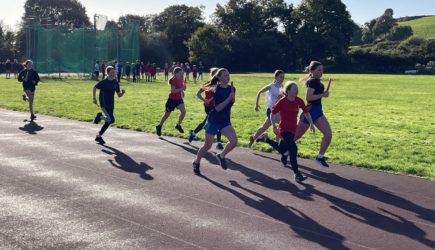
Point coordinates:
[(100, 140), (196, 168), (24, 98), (32, 117), (251, 141), (322, 162), (300, 177), (262, 138), (219, 146), (191, 136), (179, 128), (97, 118), (284, 159), (222, 161), (159, 130)]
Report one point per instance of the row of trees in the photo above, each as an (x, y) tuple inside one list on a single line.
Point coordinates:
[(242, 33), (245, 34)]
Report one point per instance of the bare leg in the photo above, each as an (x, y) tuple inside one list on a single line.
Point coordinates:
[(323, 125), (230, 133)]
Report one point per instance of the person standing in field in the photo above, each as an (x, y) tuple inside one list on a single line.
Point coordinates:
[(8, 68), (166, 70), (219, 119), (108, 87), (208, 106), (194, 73), (200, 70), (273, 93), (30, 80), (288, 107), (127, 70), (315, 93), (16, 67), (175, 101)]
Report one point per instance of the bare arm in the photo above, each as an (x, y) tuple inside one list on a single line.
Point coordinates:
[(94, 92), (312, 97), (223, 104), (199, 95), (264, 89)]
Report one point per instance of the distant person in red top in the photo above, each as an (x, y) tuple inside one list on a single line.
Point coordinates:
[(288, 108), (175, 100), (166, 70), (153, 71), (194, 73), (208, 106)]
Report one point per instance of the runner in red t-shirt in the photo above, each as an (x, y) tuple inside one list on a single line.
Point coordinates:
[(208, 106), (288, 108), (175, 100)]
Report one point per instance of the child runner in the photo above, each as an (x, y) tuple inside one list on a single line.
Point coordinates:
[(315, 93), (107, 87), (208, 106), (187, 71), (175, 100), (219, 119), (30, 79), (273, 93), (166, 69), (127, 70), (288, 107)]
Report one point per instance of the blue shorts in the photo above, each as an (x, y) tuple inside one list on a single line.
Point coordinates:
[(315, 111), (214, 128), (268, 112)]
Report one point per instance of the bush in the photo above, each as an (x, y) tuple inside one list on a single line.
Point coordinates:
[(399, 33)]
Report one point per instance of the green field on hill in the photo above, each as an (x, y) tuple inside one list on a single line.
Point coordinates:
[(422, 27), (381, 122)]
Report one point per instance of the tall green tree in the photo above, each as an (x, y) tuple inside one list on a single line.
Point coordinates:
[(209, 45), (178, 22), (325, 31), (384, 23)]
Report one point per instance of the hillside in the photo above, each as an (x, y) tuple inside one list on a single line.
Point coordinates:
[(422, 27)]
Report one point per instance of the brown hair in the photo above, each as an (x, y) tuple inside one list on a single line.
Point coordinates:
[(309, 69), (288, 85), (215, 79), (278, 72)]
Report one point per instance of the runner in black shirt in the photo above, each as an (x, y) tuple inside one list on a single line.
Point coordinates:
[(108, 87)]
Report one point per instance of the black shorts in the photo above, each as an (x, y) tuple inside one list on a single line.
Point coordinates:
[(171, 104), (29, 87), (96, 73)]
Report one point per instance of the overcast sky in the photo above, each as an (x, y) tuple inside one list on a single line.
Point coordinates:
[(361, 10)]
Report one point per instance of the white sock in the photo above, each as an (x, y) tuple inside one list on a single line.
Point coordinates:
[(319, 156)]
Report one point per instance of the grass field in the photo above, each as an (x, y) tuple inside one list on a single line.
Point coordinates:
[(422, 27), (381, 122)]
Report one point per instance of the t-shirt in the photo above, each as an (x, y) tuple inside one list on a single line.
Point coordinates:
[(194, 71), (219, 96), (200, 69), (8, 66), (174, 82), (166, 70), (288, 111), (209, 102), (28, 77), (97, 67), (107, 92), (272, 95), (318, 87)]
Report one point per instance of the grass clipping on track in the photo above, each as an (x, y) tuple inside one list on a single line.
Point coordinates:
[(381, 122)]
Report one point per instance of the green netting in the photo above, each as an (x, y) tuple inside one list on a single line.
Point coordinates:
[(60, 49)]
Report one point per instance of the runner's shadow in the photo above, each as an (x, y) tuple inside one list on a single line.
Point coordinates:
[(31, 128), (300, 223), (194, 150), (264, 180), (372, 192), (126, 163), (388, 221)]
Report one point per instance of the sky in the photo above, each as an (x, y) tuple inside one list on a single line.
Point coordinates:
[(361, 11)]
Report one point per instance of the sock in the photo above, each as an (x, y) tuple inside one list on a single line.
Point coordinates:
[(319, 155)]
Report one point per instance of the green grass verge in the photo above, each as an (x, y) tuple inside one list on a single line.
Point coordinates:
[(381, 122)]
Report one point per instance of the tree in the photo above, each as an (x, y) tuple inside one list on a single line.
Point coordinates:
[(325, 31), (384, 23), (398, 33), (178, 22), (145, 22), (209, 45), (50, 12)]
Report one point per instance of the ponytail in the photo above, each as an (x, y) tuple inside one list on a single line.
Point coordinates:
[(309, 69), (215, 79)]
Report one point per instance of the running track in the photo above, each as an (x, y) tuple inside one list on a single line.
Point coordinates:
[(59, 190)]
